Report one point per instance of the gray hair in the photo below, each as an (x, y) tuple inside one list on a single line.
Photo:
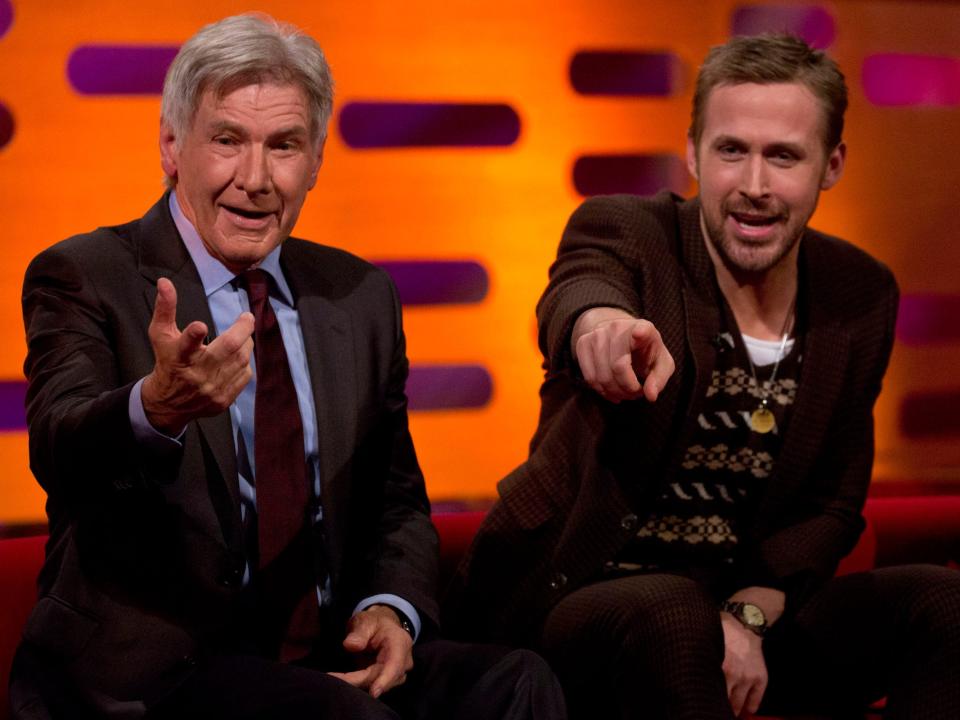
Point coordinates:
[(246, 50)]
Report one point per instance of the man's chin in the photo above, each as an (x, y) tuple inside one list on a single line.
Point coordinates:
[(240, 252), (755, 258)]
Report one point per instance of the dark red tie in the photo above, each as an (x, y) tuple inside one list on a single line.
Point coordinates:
[(286, 577)]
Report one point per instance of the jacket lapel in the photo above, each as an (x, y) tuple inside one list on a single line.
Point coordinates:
[(329, 345), (163, 254), (702, 306), (826, 352)]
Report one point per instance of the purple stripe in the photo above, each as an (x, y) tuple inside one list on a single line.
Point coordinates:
[(411, 124), (930, 414), (7, 126), (899, 80), (433, 282), (429, 387), (625, 73), (448, 387), (119, 69), (6, 16), (638, 174), (929, 318), (813, 23), (12, 396)]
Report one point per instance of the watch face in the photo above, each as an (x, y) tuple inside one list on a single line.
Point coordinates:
[(752, 615)]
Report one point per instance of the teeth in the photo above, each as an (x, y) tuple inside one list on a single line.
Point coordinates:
[(754, 222)]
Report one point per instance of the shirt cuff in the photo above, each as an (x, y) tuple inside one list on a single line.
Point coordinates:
[(145, 434), (397, 603)]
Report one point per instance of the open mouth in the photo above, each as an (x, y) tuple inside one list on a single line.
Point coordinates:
[(753, 220), (249, 214)]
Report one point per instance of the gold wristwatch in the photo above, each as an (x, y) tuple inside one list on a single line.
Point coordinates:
[(748, 614)]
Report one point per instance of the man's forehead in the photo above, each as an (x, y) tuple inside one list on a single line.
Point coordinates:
[(255, 92), (732, 102), (224, 106)]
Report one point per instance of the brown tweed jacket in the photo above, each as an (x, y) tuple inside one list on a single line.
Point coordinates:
[(594, 467)]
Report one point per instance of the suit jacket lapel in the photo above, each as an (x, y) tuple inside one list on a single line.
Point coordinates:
[(826, 352), (329, 345), (163, 254), (702, 305), (688, 337)]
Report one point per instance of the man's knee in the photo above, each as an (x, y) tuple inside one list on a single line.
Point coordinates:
[(929, 598), (637, 612)]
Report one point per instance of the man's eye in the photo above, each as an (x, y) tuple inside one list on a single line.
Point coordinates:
[(224, 140)]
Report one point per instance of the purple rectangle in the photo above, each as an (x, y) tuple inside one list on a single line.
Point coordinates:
[(448, 387), (6, 16), (929, 318), (930, 414), (119, 69), (626, 72), (7, 126), (813, 23), (429, 387), (435, 282), (12, 396), (902, 80), (365, 125), (637, 174)]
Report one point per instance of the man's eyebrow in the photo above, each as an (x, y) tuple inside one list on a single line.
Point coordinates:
[(727, 140), (791, 147), (226, 126), (293, 131)]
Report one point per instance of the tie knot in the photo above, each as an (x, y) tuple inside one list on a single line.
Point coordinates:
[(257, 284)]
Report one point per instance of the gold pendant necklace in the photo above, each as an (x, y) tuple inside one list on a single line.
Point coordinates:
[(762, 419)]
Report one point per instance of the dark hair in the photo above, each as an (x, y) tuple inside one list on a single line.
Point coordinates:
[(766, 59)]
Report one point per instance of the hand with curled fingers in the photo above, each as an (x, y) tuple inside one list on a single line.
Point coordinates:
[(191, 379), (384, 648), (743, 666), (620, 356)]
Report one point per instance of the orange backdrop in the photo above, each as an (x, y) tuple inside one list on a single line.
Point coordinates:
[(76, 162)]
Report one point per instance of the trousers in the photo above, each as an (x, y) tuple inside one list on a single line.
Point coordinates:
[(449, 680), (651, 646)]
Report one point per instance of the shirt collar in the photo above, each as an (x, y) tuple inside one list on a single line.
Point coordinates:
[(213, 273)]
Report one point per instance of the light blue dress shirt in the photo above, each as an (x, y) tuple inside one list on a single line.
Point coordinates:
[(227, 302)]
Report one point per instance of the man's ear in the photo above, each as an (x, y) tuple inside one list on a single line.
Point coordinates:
[(834, 169), (317, 162), (692, 159), (169, 154)]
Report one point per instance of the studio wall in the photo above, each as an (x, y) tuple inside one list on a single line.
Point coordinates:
[(464, 134)]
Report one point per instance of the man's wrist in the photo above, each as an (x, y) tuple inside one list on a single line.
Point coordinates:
[(400, 607), (167, 423), (402, 619), (145, 432), (747, 614), (589, 319)]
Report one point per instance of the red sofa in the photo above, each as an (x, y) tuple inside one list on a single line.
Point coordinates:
[(902, 528)]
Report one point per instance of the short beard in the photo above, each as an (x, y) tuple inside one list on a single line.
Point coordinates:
[(731, 251)]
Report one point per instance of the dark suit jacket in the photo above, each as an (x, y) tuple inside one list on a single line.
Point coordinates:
[(145, 555), (595, 467)]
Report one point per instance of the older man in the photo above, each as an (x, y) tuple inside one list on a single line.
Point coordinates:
[(238, 523), (706, 439)]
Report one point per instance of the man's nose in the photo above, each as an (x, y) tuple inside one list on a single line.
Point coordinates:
[(253, 171), (755, 180)]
